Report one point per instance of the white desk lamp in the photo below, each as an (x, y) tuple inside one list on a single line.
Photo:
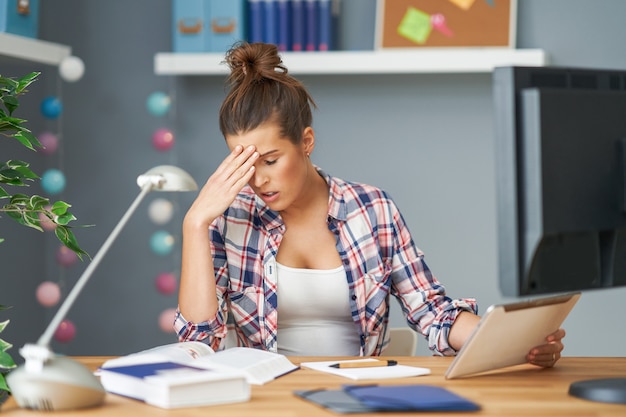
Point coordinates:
[(49, 382)]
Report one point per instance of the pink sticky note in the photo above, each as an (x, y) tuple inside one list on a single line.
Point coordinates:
[(438, 21)]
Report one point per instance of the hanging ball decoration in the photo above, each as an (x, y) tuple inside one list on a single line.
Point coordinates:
[(65, 332), (162, 242), (53, 181), (66, 257), (51, 107), (45, 222), (166, 283), (71, 68), (49, 141), (160, 210), (163, 139), (166, 320), (48, 293), (158, 103)]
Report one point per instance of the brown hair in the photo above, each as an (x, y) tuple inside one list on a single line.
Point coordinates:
[(261, 90)]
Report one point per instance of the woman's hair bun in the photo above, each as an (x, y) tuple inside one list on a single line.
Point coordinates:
[(254, 62)]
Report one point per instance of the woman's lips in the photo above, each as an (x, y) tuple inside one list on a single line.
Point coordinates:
[(269, 197)]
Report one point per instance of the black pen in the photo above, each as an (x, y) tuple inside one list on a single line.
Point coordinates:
[(363, 364)]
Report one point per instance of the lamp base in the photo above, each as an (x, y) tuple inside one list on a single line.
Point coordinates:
[(61, 384)]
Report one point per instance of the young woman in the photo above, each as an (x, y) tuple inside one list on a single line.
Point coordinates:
[(303, 263)]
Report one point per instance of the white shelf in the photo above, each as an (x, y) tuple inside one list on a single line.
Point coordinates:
[(33, 50), (392, 61)]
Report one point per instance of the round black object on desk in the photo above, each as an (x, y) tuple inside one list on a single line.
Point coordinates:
[(610, 390)]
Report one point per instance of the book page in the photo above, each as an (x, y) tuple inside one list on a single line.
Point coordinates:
[(181, 352), (260, 366)]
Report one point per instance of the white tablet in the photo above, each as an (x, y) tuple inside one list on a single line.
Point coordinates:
[(507, 332)]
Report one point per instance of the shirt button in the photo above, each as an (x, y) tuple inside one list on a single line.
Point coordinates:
[(353, 297)]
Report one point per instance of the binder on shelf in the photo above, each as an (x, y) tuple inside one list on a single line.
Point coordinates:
[(325, 21), (270, 26), (207, 25), (20, 17), (188, 26), (255, 19), (297, 25), (311, 23), (283, 37), (225, 24)]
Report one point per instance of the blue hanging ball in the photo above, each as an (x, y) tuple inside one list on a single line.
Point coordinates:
[(53, 181), (51, 107), (162, 243), (158, 103)]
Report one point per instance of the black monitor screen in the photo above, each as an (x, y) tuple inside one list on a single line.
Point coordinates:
[(560, 160)]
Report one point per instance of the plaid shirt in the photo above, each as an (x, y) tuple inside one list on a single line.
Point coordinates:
[(377, 251)]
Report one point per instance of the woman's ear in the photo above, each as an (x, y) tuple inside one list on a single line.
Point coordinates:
[(308, 140)]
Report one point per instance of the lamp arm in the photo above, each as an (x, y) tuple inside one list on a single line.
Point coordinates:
[(44, 340)]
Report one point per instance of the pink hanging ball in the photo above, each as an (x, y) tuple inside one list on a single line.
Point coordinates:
[(66, 257), (48, 293), (49, 141), (166, 320), (65, 332), (166, 283), (163, 139), (45, 222)]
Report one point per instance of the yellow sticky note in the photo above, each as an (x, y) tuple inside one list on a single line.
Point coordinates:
[(415, 25), (463, 4)]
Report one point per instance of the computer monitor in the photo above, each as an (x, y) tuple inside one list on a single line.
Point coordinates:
[(561, 168)]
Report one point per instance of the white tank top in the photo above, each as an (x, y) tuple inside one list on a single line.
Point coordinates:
[(314, 315)]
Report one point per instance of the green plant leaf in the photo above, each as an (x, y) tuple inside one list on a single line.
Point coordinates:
[(66, 236), (11, 103), (4, 345), (26, 139), (20, 199), (4, 324), (60, 208), (38, 202), (26, 172), (6, 361), (25, 81), (3, 384), (64, 219)]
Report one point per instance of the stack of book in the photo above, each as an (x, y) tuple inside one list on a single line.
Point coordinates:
[(191, 374)]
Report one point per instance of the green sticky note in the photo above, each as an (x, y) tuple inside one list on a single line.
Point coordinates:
[(415, 25)]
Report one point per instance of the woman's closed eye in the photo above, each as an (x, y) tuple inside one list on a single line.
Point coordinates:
[(270, 162)]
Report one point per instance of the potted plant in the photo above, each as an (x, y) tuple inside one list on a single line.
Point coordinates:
[(27, 210)]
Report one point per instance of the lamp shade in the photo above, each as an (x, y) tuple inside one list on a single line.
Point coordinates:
[(167, 178)]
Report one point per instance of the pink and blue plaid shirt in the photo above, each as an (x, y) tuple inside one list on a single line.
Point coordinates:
[(378, 253)]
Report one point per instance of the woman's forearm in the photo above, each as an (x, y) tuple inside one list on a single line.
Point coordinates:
[(462, 328), (197, 297)]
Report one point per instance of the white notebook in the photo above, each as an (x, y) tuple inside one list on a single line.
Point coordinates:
[(381, 372)]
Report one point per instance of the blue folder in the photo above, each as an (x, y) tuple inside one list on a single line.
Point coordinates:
[(375, 398)]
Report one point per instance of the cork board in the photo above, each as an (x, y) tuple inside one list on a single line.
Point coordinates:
[(446, 23)]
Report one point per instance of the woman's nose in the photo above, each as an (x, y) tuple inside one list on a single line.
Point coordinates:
[(258, 178)]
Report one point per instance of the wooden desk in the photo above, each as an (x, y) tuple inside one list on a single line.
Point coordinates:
[(520, 391)]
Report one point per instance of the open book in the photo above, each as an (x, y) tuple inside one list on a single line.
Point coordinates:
[(258, 366)]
